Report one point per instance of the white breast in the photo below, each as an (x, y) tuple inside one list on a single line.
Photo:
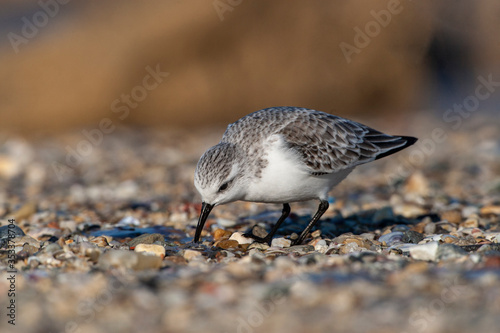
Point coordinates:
[(286, 178)]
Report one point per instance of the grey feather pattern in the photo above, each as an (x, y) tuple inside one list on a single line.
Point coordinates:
[(325, 143)]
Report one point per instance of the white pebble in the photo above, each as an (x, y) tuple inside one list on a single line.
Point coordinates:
[(281, 242), (238, 236), (425, 251)]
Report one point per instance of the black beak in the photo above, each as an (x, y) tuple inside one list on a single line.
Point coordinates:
[(205, 210)]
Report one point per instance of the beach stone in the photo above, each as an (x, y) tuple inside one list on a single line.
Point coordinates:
[(68, 224), (191, 254), (452, 216), (27, 210), (227, 244), (430, 228), (258, 231), (221, 234), (100, 241), (350, 248), (258, 246), (146, 239), (128, 221), (238, 236), (449, 251), (490, 210), (425, 251), (154, 249), (409, 210), (12, 230), (392, 238), (413, 237), (470, 223), (26, 239), (128, 260), (417, 183), (226, 223), (321, 246), (281, 242)]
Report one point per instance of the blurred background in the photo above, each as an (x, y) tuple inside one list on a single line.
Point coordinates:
[(69, 64)]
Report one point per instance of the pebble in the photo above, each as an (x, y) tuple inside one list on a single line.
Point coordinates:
[(100, 241), (68, 225), (20, 241), (449, 245), (425, 251), (191, 254), (490, 210), (430, 228), (227, 244), (471, 222), (452, 216), (128, 221), (26, 211), (11, 230), (258, 231), (449, 252), (226, 223), (392, 238), (146, 239), (221, 234), (258, 246), (128, 260), (417, 183), (281, 242), (350, 248), (238, 236), (154, 249), (321, 246), (412, 236)]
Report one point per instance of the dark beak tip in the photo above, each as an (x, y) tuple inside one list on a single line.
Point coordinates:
[(205, 211)]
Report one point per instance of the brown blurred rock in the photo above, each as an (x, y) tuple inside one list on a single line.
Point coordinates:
[(78, 70), (417, 183)]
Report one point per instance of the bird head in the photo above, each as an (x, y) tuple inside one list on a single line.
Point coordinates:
[(218, 179)]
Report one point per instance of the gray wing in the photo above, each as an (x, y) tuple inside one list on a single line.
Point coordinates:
[(328, 144)]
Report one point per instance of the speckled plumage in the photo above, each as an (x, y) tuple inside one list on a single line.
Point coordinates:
[(287, 154)]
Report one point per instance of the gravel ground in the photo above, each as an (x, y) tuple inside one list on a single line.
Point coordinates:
[(101, 227)]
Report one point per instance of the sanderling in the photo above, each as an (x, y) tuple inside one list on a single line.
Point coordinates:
[(286, 154)]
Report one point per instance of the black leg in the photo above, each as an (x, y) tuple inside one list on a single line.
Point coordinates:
[(269, 237), (323, 206)]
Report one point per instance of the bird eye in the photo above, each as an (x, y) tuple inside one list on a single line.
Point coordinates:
[(223, 187)]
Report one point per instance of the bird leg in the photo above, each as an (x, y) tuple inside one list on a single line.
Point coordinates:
[(323, 206), (269, 237)]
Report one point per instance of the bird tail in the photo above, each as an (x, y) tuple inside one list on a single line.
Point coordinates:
[(394, 145)]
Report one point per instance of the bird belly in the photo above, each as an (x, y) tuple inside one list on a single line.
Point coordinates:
[(287, 179)]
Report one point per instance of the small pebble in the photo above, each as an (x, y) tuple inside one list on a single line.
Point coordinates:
[(221, 234), (490, 210), (281, 242), (452, 216), (10, 230), (392, 238), (191, 254), (449, 252), (146, 239), (238, 236), (425, 251), (417, 183), (227, 244), (154, 249), (411, 236)]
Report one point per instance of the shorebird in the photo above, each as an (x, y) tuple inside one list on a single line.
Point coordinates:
[(286, 154)]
